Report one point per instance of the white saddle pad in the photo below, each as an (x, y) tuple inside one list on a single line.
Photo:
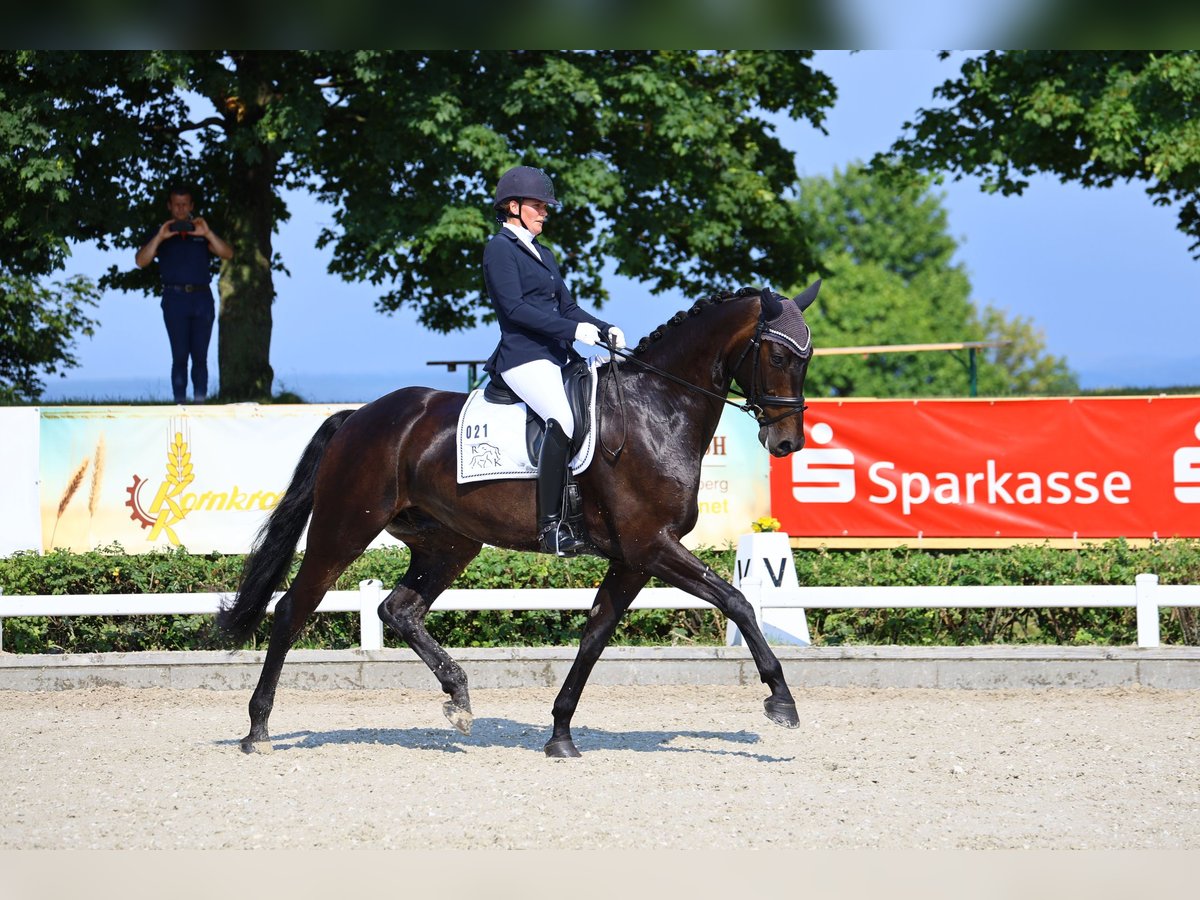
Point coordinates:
[(491, 437)]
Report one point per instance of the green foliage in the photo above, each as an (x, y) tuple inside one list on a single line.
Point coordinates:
[(663, 160), (660, 160), (1094, 117), (38, 328), (891, 280), (75, 153), (1116, 562)]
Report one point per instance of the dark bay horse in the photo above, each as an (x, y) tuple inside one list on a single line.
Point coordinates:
[(390, 465)]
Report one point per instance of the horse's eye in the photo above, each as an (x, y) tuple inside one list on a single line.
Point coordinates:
[(777, 360)]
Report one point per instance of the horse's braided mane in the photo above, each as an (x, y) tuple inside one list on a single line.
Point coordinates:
[(696, 309)]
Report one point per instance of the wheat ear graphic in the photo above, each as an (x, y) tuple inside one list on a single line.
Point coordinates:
[(97, 476), (68, 493), (179, 463)]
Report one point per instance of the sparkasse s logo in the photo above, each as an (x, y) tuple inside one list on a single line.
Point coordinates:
[(1187, 472), (823, 475)]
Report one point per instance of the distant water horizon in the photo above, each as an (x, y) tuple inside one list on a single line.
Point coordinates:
[(360, 387)]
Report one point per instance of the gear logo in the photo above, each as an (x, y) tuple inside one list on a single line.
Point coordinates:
[(166, 510), (139, 515)]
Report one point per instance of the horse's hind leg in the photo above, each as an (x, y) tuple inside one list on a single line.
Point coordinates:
[(436, 561), (262, 701), (317, 575)]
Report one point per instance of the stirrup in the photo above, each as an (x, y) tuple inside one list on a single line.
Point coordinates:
[(557, 537)]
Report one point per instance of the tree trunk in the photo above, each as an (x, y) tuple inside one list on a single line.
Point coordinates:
[(247, 292), (247, 288)]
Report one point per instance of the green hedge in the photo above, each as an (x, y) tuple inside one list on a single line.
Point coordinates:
[(113, 571)]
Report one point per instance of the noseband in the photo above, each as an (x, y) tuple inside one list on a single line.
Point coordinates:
[(756, 399)]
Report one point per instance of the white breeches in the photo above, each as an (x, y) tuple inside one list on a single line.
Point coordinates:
[(539, 384)]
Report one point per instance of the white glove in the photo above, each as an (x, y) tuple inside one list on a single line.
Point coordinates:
[(617, 336), (587, 333)]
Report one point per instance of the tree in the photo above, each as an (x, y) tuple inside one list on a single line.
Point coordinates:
[(892, 280), (662, 159), (1020, 365), (38, 326), (77, 160), (1094, 117)]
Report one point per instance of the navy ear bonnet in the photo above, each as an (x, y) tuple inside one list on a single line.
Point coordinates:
[(785, 321)]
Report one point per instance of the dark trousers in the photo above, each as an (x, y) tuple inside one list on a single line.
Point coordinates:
[(189, 319)]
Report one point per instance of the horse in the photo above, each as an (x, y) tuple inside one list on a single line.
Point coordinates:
[(390, 465)]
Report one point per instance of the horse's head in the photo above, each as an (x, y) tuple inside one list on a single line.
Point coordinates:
[(773, 370)]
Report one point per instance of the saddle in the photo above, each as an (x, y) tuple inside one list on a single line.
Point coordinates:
[(577, 384)]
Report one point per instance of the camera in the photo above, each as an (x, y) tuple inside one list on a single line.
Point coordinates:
[(182, 225)]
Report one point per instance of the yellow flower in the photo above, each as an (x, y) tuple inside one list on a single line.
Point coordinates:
[(765, 523)]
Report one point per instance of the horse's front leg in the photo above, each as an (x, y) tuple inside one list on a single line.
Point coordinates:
[(616, 592), (675, 565)]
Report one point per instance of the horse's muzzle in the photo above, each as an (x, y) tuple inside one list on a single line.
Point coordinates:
[(783, 445)]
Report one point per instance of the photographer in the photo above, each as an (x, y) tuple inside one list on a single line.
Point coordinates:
[(182, 245)]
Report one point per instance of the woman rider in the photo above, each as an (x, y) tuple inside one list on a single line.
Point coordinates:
[(538, 323)]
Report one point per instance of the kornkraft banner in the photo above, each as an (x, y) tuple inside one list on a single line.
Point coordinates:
[(155, 477), (1049, 468), (206, 477)]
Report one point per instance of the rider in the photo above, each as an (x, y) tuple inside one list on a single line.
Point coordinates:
[(538, 322)]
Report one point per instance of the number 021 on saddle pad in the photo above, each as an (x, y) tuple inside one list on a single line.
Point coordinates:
[(494, 439)]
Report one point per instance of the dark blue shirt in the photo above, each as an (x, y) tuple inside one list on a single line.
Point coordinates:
[(183, 258)]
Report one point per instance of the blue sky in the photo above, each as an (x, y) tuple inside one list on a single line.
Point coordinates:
[(1103, 273)]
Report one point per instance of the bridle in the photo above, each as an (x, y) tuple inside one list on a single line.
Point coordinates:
[(756, 399)]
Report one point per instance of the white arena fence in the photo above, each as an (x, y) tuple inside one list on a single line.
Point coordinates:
[(1146, 595)]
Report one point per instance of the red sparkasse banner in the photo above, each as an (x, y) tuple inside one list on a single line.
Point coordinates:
[(1032, 468)]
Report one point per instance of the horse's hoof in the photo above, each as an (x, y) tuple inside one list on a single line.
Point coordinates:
[(782, 712), (564, 748), (460, 718), (261, 747)]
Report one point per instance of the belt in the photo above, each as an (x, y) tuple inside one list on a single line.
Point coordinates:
[(186, 288)]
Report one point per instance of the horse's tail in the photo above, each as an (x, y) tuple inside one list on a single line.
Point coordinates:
[(275, 545)]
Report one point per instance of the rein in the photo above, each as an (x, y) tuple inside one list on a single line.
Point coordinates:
[(755, 401)]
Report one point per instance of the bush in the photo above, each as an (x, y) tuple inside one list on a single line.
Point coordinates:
[(110, 570), (1113, 563)]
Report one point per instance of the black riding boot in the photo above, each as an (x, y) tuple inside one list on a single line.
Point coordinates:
[(554, 533)]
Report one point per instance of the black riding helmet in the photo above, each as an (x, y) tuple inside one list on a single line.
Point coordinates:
[(522, 183)]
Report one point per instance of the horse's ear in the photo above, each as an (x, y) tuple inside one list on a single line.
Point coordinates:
[(808, 295), (772, 307)]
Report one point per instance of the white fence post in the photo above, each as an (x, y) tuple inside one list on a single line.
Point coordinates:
[(370, 626), (1147, 610)]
